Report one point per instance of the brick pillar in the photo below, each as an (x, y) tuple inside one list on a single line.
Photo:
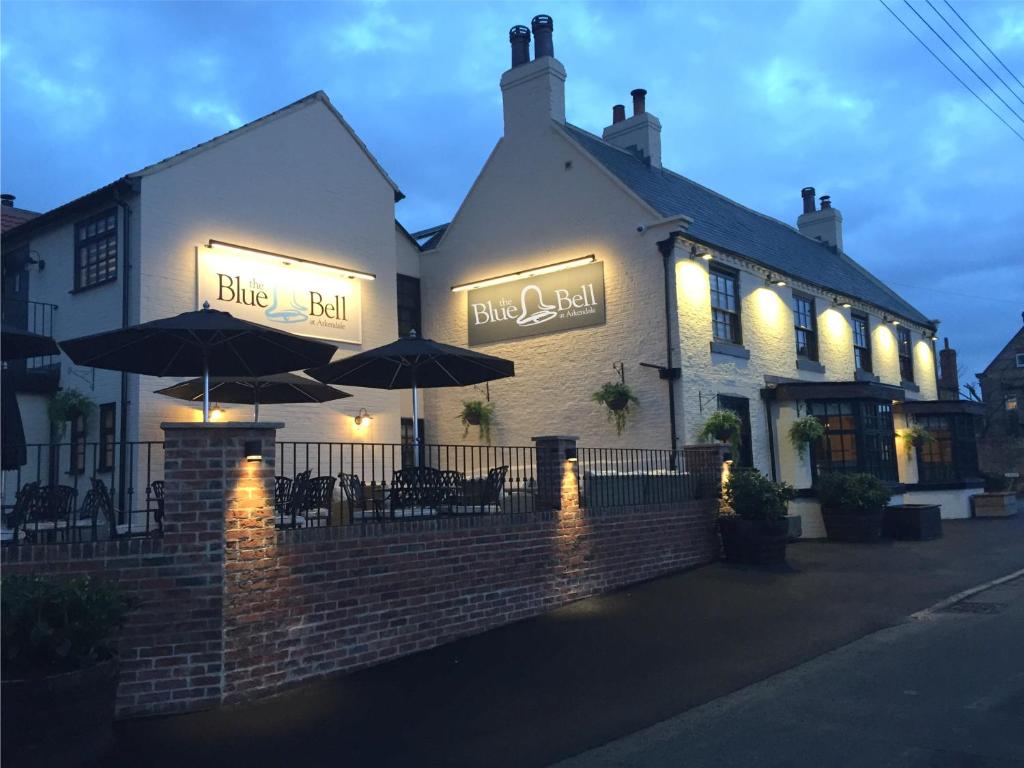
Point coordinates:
[(216, 498), (550, 450)]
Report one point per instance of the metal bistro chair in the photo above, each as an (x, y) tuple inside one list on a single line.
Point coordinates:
[(319, 496), (282, 493), (99, 502), (416, 492), (23, 501), (290, 515), (50, 512), (360, 503), (156, 493), (481, 495)]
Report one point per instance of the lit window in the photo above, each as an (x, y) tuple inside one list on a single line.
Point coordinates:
[(1020, 360), (806, 327), (1011, 402), (96, 250), (859, 437), (952, 454), (725, 305), (861, 343), (905, 348)]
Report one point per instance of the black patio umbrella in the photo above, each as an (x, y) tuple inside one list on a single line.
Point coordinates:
[(275, 389), (17, 344), (205, 342), (414, 363)]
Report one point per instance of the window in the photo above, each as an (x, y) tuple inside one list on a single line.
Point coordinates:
[(905, 352), (1020, 361), (76, 464), (108, 424), (806, 327), (1011, 402), (96, 250), (725, 305), (859, 437), (407, 442), (409, 316), (741, 407), (954, 454), (861, 343)]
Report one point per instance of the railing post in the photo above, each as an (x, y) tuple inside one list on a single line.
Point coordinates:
[(552, 454)]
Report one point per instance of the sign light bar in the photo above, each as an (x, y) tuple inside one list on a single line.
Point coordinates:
[(556, 267), (353, 273)]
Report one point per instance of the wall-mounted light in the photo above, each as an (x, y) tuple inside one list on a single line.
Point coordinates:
[(353, 273), (775, 280), (253, 450), (547, 269), (571, 454), (894, 321), (839, 302), (363, 417), (700, 253), (217, 413)]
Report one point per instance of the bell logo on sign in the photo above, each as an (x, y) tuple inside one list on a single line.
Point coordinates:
[(549, 303)]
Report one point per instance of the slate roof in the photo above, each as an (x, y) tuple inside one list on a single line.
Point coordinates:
[(723, 223), (11, 217)]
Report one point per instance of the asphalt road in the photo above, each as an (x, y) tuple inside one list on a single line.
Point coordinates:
[(943, 690), (548, 688)]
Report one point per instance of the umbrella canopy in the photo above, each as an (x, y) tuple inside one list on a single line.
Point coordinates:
[(411, 363), (205, 342), (278, 388), (17, 344)]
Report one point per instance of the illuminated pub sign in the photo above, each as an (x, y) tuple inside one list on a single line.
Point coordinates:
[(302, 297), (555, 301)]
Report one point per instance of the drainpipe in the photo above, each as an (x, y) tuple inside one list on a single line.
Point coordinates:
[(669, 372), (126, 213)]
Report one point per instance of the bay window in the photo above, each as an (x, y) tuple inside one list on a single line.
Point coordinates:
[(859, 437)]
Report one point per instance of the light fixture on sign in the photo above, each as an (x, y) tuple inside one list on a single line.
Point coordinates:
[(556, 267), (287, 260), (362, 417)]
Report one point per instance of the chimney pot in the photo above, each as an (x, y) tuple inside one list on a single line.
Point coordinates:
[(618, 113), (7, 200), (543, 45), (826, 202), (639, 101), (807, 193), (519, 37)]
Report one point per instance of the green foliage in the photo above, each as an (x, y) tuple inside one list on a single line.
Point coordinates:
[(480, 414), (995, 483), (916, 437), (723, 426), (54, 625), (852, 492), (618, 398), (64, 406), (753, 496), (805, 431)]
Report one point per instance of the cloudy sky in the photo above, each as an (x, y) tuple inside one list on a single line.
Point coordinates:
[(756, 101)]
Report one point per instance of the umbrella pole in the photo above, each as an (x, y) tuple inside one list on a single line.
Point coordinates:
[(256, 402), (206, 388), (415, 423)]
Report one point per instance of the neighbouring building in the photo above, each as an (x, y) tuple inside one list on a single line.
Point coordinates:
[(580, 257), (1002, 392)]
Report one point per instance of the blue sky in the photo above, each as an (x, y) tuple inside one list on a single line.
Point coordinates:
[(756, 101)]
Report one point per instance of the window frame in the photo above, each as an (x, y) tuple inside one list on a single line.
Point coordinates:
[(810, 332), (958, 446), (108, 234), (870, 423), (905, 353), (864, 349), (107, 438), (77, 444), (734, 317), (403, 286)]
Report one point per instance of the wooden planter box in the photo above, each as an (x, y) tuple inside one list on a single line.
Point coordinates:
[(994, 504), (914, 522), (754, 542), (855, 526)]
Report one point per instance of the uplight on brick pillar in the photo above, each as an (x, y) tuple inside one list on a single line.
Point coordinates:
[(557, 484)]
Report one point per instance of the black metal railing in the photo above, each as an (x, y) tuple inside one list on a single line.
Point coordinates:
[(34, 317), (83, 491), (618, 477), (382, 482)]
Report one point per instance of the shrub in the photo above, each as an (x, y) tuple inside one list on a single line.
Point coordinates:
[(52, 625), (753, 496), (852, 492)]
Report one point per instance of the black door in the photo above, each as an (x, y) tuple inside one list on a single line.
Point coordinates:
[(741, 407)]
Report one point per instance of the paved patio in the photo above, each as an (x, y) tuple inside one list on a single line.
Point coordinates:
[(551, 687)]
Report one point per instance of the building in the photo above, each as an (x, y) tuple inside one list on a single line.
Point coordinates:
[(1002, 391), (578, 256)]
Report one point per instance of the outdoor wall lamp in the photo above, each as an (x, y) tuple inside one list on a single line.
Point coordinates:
[(775, 280), (362, 416), (217, 412), (702, 253), (253, 450), (571, 454), (844, 303), (893, 321)]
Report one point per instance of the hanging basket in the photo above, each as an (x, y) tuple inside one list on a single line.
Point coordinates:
[(618, 403), (473, 419)]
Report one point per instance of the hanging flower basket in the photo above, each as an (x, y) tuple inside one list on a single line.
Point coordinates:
[(617, 398)]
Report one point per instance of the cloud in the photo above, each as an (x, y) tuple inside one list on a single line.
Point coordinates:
[(378, 30), (213, 113)]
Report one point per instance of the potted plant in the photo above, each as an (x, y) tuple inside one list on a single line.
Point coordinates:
[(722, 426), (916, 437), (805, 431), (59, 667), (64, 406), (617, 398), (756, 530), (477, 413), (852, 506)]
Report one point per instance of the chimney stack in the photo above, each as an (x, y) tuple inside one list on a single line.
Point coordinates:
[(519, 37), (543, 45), (949, 378), (825, 225), (640, 134), (533, 92), (6, 200)]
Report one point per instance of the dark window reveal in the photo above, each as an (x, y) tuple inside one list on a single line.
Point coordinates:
[(96, 250), (861, 343), (741, 407), (806, 327), (725, 305), (108, 424), (859, 437), (409, 314), (905, 349), (76, 465), (953, 455)]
